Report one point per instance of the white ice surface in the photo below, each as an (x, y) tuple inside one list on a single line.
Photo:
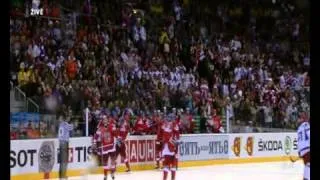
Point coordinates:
[(252, 171)]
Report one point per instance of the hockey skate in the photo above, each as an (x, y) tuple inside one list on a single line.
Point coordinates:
[(112, 176)]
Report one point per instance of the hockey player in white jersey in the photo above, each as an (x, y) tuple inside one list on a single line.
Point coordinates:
[(304, 143)]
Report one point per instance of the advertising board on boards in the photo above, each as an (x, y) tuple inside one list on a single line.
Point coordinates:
[(42, 155), (204, 147), (262, 144)]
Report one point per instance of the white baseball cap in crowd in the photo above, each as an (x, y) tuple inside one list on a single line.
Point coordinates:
[(22, 65)]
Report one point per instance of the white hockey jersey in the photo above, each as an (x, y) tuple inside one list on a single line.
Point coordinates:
[(303, 138)]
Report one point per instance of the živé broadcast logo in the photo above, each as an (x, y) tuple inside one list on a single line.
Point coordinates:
[(249, 145), (36, 10), (236, 148)]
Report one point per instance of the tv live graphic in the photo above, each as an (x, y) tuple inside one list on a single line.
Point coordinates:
[(204, 147), (36, 9), (247, 145)]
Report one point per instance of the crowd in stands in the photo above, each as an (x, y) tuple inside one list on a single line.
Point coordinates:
[(248, 62)]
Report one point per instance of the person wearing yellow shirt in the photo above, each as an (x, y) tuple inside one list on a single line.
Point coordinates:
[(163, 36), (31, 75), (27, 79), (23, 77)]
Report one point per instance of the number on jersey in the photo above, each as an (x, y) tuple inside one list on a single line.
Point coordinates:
[(303, 135)]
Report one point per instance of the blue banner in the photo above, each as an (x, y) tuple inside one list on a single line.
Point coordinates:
[(23, 120)]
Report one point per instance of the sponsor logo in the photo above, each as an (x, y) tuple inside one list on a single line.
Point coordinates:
[(196, 148), (287, 145), (249, 145), (290, 145), (270, 145), (218, 147), (141, 151), (236, 148), (22, 158), (46, 156), (190, 148)]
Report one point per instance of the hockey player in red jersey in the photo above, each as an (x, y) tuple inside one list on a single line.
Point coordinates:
[(169, 134), (140, 127), (159, 122), (122, 136), (106, 138), (97, 144)]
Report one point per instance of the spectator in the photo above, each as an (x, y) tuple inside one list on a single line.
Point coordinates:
[(229, 110), (248, 128), (187, 122), (253, 112), (72, 66), (214, 123), (13, 133), (23, 76), (31, 132), (268, 113)]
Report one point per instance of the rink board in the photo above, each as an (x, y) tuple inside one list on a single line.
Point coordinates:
[(26, 156)]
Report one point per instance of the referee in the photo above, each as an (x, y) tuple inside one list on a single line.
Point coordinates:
[(64, 134)]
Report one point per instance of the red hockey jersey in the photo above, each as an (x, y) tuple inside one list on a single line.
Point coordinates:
[(124, 130), (140, 126), (169, 134), (106, 137)]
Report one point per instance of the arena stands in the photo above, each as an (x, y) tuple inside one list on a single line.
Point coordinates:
[(248, 61)]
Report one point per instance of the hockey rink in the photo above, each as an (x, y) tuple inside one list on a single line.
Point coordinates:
[(252, 171)]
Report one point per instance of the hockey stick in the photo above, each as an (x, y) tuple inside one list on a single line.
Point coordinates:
[(99, 123)]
